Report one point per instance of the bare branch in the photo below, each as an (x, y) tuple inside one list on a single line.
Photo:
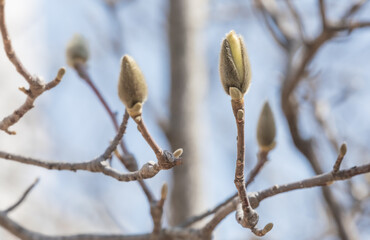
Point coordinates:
[(166, 159), (349, 26), (297, 18), (323, 14), (354, 9), (128, 160), (262, 159), (255, 199), (100, 164), (271, 20), (36, 89), (37, 86), (22, 198), (203, 233), (319, 180), (9, 50)]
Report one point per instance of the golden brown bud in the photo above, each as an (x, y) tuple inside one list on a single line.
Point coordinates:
[(266, 129), (77, 50), (132, 88), (235, 70)]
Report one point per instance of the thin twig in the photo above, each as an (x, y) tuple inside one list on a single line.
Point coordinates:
[(36, 89), (128, 160), (262, 159), (297, 18), (271, 21), (22, 198), (165, 158), (256, 198), (36, 85), (84, 75), (238, 110), (9, 50), (99, 164)]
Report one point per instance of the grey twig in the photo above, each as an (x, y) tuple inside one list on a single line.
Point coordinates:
[(22, 198), (36, 85)]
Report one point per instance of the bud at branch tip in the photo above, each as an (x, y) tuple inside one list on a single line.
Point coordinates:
[(235, 70)]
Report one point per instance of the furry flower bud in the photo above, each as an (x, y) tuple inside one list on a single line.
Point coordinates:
[(266, 129), (132, 88), (235, 70), (77, 50)]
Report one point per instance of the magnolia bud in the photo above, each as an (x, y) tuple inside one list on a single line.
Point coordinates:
[(266, 129), (77, 50), (132, 88), (235, 70)]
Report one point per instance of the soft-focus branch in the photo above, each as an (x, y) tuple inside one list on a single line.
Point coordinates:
[(36, 85), (22, 198)]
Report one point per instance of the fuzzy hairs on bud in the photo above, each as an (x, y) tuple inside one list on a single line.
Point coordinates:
[(132, 88), (235, 70)]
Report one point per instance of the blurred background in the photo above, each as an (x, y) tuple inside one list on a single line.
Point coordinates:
[(177, 44)]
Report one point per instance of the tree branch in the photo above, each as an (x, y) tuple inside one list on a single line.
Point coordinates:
[(99, 164), (9, 50), (36, 85), (128, 160), (203, 233), (22, 198)]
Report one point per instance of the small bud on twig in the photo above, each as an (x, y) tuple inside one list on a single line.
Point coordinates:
[(266, 129), (77, 50), (178, 153), (132, 88), (235, 70)]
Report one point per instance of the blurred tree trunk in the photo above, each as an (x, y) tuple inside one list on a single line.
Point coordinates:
[(188, 81)]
